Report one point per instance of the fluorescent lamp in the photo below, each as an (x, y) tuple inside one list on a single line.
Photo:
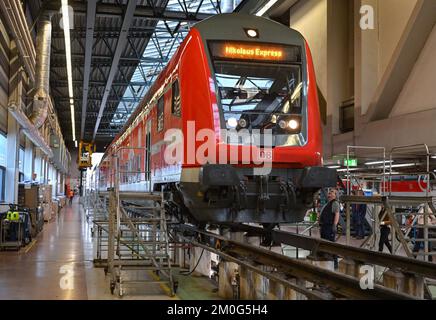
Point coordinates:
[(333, 167), (266, 7), (66, 26), (403, 165), (75, 143), (73, 122), (345, 170), (378, 162), (433, 157)]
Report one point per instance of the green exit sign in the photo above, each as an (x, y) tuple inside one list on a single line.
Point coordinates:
[(350, 162)]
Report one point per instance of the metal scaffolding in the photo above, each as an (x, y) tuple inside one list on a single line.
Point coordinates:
[(132, 242)]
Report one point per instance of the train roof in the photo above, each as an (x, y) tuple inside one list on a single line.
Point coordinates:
[(231, 26), (228, 26)]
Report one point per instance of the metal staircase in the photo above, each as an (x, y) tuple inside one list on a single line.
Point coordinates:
[(138, 244)]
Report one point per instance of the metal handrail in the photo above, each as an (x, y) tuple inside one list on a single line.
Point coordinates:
[(398, 148)]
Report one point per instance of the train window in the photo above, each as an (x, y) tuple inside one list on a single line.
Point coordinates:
[(175, 102), (160, 114), (258, 92)]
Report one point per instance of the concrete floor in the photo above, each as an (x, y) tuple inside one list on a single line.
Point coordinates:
[(58, 265)]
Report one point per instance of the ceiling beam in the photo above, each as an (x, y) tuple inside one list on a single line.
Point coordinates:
[(79, 56), (90, 23), (134, 32), (409, 48), (145, 12), (121, 44), (112, 99), (63, 83)]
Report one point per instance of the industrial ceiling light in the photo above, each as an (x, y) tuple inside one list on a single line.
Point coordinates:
[(349, 170), (66, 26), (73, 121), (378, 162), (266, 7), (402, 165)]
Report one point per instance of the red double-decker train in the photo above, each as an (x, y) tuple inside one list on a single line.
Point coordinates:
[(233, 73)]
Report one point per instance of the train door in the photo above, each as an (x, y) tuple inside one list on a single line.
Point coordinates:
[(148, 154)]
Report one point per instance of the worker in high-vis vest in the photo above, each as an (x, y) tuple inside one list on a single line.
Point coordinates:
[(13, 216)]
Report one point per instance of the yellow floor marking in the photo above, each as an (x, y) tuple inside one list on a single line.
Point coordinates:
[(30, 246), (163, 286)]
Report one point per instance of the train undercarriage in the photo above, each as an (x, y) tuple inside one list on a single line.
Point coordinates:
[(224, 193)]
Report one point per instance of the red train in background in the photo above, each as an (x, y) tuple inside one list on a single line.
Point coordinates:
[(232, 73)]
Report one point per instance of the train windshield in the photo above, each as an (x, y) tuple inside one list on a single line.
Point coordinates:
[(260, 87), (261, 90), (257, 95)]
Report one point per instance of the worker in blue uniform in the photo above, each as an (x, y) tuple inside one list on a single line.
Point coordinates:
[(329, 219), (358, 217)]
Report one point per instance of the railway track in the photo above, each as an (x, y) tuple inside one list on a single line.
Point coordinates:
[(316, 245), (325, 284), (310, 280)]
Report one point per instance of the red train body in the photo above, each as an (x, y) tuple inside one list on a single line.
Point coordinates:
[(223, 80)]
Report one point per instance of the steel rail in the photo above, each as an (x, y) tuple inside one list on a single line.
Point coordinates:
[(250, 256), (315, 245)]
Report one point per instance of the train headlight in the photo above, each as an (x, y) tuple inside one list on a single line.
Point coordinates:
[(289, 124), (242, 123), (293, 124), (252, 33), (232, 123), (283, 124)]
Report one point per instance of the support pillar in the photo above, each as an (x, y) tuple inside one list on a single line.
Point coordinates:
[(201, 261), (13, 138), (394, 280), (13, 141), (38, 165), (111, 237), (350, 267), (254, 286), (325, 263), (414, 285), (227, 273), (28, 160), (401, 282)]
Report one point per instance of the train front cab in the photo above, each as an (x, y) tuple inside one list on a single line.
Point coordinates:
[(261, 78)]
